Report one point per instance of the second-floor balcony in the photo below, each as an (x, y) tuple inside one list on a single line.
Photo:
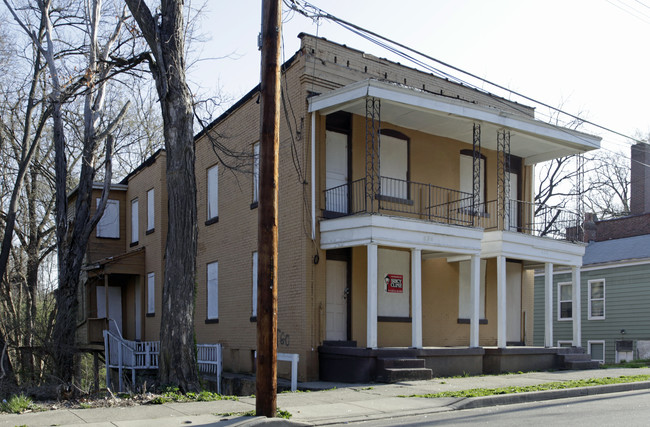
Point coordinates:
[(441, 205)]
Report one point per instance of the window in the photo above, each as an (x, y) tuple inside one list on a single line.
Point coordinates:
[(564, 301), (596, 291), (256, 174), (393, 164), (465, 288), (564, 343), (109, 224), (467, 179), (150, 211), (134, 222), (213, 291), (597, 350), (213, 195), (151, 294), (254, 281)]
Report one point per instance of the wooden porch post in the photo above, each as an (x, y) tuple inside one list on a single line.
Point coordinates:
[(371, 311), (577, 333), (475, 296), (548, 304), (416, 298), (501, 301)]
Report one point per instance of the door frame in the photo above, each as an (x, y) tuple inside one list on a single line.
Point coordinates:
[(341, 122), (345, 255)]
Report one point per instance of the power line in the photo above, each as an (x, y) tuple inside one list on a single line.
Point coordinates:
[(311, 11)]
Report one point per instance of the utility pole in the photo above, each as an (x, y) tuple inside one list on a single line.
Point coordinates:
[(267, 232)]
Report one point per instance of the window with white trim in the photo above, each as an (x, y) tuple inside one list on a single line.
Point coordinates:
[(465, 290), (213, 291), (134, 221), (256, 172), (254, 281), (151, 213), (596, 298), (151, 293), (467, 180), (213, 193), (564, 301), (596, 350), (109, 224), (564, 343)]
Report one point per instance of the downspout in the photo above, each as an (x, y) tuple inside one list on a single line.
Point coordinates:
[(313, 175)]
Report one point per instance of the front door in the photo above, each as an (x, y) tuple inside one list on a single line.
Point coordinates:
[(513, 302), (114, 307), (337, 294), (336, 171)]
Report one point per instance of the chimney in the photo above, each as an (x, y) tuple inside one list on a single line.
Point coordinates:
[(640, 179), (590, 227)]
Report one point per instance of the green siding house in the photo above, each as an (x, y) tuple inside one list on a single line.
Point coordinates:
[(614, 281)]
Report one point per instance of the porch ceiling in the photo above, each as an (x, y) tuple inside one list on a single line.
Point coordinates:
[(533, 140)]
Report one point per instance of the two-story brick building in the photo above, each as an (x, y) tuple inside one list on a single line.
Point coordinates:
[(406, 224)]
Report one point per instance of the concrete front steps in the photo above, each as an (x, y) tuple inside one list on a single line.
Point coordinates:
[(396, 369), (575, 358)]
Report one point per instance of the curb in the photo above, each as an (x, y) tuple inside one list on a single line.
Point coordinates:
[(536, 396)]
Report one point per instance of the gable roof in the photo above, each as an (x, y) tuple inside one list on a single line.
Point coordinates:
[(629, 248)]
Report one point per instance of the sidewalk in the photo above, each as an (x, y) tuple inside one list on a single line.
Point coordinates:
[(335, 403)]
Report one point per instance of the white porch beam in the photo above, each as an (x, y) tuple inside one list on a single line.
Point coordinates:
[(548, 304), (371, 311), (577, 316), (475, 289), (501, 301), (416, 298)]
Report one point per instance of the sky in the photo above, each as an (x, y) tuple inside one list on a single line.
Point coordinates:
[(588, 57)]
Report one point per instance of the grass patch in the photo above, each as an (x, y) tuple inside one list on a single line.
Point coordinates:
[(641, 363), (17, 404), (279, 413), (559, 385), (173, 394)]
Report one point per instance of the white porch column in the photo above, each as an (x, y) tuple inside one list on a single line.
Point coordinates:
[(475, 296), (501, 301), (575, 279), (371, 310), (416, 298), (548, 304)]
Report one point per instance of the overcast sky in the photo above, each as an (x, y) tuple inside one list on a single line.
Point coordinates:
[(588, 56)]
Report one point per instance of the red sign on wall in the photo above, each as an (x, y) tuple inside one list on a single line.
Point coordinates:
[(394, 283)]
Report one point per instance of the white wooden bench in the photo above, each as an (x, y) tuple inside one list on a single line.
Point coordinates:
[(293, 358)]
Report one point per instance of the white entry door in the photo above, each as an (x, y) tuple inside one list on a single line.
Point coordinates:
[(114, 307), (513, 302), (513, 220), (336, 313), (336, 171)]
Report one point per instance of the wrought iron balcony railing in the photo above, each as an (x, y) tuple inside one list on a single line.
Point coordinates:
[(443, 205)]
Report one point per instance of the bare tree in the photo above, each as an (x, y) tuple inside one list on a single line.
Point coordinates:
[(164, 33), (608, 184)]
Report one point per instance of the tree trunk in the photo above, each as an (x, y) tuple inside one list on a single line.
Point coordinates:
[(166, 40), (8, 383)]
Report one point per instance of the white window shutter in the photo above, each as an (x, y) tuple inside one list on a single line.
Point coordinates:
[(134, 221), (150, 210), (254, 284), (213, 192), (109, 223), (213, 290), (151, 293), (256, 171)]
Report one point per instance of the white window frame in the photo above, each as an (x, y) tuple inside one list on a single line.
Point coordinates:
[(256, 172), (560, 301), (590, 299), (151, 293), (560, 342), (254, 281), (589, 343), (151, 210), (135, 229), (212, 194), (212, 290), (109, 227)]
